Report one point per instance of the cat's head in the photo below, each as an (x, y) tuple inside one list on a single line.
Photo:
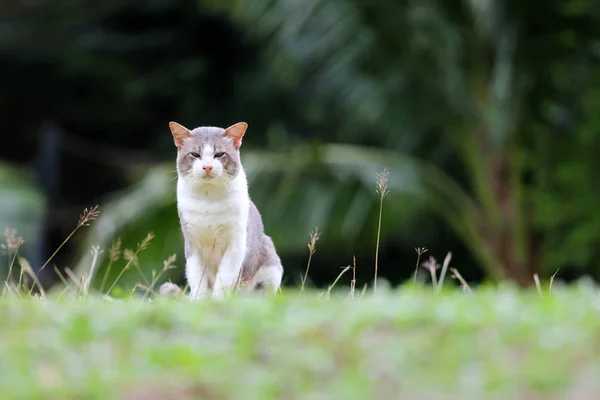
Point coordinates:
[(208, 155)]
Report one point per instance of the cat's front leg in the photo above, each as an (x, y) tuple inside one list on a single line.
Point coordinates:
[(231, 265), (197, 277)]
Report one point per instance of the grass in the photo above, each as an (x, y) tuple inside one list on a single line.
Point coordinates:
[(415, 342), (412, 343)]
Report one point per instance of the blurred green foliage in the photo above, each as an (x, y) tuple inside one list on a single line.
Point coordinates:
[(498, 343), (21, 206), (483, 111)]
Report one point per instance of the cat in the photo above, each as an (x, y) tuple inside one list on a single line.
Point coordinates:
[(226, 248)]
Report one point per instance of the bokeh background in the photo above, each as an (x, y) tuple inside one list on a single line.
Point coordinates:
[(484, 112)]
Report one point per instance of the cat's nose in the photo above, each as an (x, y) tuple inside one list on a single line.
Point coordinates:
[(207, 168)]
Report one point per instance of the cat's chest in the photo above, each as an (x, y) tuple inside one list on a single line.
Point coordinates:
[(210, 213), (211, 223)]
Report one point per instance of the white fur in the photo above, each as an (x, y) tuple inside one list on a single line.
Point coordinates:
[(268, 276), (208, 160), (216, 214)]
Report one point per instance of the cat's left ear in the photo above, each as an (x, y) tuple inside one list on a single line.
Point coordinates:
[(236, 132), (180, 133)]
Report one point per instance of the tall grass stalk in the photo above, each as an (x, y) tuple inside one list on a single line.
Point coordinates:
[(538, 284), (353, 281), (167, 265), (552, 281), (114, 254), (382, 191), (464, 285), (431, 265), (11, 246), (420, 251), (444, 271), (26, 267), (85, 218), (131, 258), (96, 251), (330, 288), (312, 247)]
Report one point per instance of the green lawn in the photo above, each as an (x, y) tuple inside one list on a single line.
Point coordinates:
[(495, 343)]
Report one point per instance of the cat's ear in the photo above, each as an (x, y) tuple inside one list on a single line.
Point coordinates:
[(180, 133), (236, 132)]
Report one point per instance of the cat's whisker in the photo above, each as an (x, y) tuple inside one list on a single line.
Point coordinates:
[(227, 179)]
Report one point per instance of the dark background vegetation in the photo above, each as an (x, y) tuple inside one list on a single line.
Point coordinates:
[(484, 112)]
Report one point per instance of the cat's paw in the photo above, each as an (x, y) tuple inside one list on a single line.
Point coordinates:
[(170, 290)]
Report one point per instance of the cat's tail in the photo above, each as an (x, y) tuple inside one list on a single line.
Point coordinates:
[(170, 290)]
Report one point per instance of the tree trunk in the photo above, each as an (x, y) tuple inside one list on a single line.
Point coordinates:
[(504, 239)]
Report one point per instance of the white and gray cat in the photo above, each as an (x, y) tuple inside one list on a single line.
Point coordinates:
[(226, 248)]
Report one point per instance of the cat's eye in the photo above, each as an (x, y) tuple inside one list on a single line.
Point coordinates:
[(220, 154), (195, 155)]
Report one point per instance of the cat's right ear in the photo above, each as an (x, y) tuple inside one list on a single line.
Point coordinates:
[(180, 133)]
